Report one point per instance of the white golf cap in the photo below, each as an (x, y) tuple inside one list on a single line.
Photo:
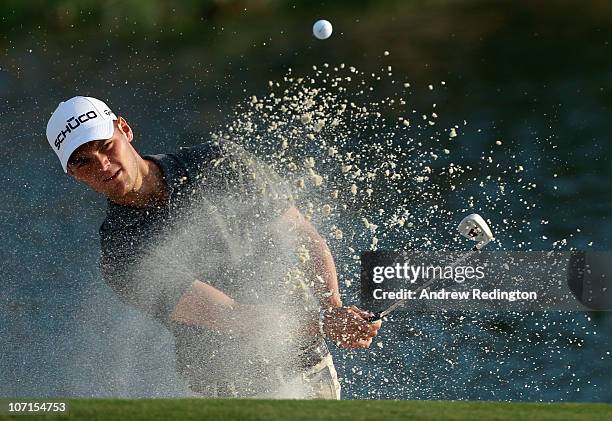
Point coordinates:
[(77, 121)]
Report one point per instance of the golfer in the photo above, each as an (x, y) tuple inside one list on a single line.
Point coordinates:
[(227, 331)]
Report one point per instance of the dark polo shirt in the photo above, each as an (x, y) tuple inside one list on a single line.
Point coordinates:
[(219, 227)]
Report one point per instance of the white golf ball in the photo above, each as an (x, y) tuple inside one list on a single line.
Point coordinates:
[(322, 29)]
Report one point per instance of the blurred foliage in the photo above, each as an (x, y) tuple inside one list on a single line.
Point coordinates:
[(168, 18), (193, 21), (128, 15)]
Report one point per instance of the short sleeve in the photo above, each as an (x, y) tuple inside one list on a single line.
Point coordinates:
[(128, 270)]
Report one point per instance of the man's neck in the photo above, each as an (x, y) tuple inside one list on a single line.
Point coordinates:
[(150, 188)]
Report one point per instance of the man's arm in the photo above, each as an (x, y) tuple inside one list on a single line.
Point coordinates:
[(348, 327), (320, 268), (204, 305)]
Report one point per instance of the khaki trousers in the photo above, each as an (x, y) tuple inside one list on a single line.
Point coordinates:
[(318, 382)]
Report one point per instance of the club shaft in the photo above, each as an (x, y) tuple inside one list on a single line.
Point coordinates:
[(400, 303)]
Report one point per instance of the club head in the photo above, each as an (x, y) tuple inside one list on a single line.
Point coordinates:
[(476, 229)]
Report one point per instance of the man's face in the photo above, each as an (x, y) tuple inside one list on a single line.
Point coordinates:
[(108, 166)]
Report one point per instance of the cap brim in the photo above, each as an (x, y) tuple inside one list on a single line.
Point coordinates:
[(101, 131)]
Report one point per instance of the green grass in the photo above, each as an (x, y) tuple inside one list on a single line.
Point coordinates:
[(200, 409)]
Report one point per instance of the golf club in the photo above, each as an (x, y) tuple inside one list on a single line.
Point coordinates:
[(472, 227)]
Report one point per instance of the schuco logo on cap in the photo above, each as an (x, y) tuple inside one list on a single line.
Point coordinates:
[(73, 123)]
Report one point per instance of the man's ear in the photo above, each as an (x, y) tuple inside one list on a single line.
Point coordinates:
[(125, 128)]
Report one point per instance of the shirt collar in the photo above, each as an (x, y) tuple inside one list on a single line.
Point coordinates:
[(172, 178)]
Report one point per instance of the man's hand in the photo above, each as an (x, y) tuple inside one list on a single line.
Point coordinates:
[(348, 327)]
